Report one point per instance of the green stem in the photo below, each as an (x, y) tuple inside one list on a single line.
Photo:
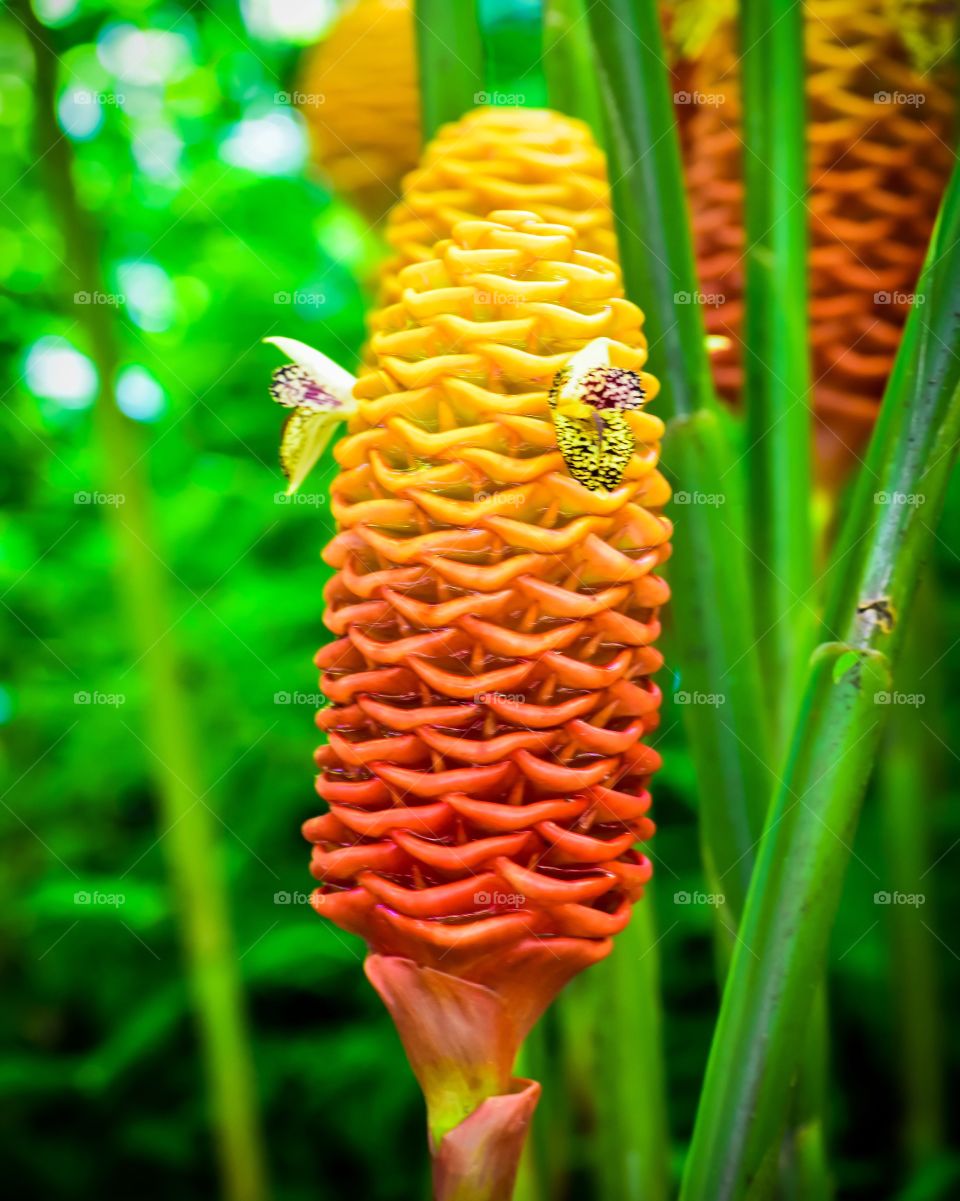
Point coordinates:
[(569, 64), (917, 1020), (776, 345), (796, 885), (908, 788), (632, 1141), (778, 431), (779, 441), (790, 907), (512, 37), (899, 493), (189, 835), (804, 1172), (649, 199), (450, 54), (546, 1158)]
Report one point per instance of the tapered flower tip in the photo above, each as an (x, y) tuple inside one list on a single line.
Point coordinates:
[(479, 1157), (319, 394)]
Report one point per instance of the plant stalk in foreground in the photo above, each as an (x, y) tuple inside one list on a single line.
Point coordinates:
[(190, 841), (806, 847)]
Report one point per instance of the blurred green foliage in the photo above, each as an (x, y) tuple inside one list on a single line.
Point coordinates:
[(194, 165)]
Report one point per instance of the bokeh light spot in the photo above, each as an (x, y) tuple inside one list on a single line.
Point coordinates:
[(57, 371), (139, 395)]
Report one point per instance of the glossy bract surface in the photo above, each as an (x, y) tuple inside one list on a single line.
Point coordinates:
[(496, 158), (880, 152), (490, 679)]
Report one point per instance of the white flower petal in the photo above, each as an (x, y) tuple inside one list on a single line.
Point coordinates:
[(331, 375)]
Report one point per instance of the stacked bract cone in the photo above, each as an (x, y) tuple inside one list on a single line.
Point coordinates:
[(495, 158), (881, 136), (358, 93), (490, 679), (486, 763)]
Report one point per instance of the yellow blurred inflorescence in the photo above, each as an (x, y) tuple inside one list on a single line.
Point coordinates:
[(358, 92)]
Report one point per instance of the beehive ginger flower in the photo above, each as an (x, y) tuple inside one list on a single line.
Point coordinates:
[(494, 610), (359, 95), (881, 114)]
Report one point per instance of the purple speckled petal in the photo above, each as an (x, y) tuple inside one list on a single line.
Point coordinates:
[(295, 388)]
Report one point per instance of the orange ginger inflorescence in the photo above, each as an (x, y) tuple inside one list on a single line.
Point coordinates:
[(358, 92), (490, 680), (880, 151)]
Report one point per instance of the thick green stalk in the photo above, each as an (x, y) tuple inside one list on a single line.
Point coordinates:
[(908, 778), (786, 924), (898, 496), (512, 36), (795, 889), (804, 1170), (632, 1142), (918, 1024), (711, 609), (569, 65), (189, 834), (776, 344), (649, 200), (547, 1155), (778, 433), (450, 56)]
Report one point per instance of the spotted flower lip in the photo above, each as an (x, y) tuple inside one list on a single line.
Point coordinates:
[(319, 395), (329, 376), (588, 401), (591, 382), (293, 388)]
